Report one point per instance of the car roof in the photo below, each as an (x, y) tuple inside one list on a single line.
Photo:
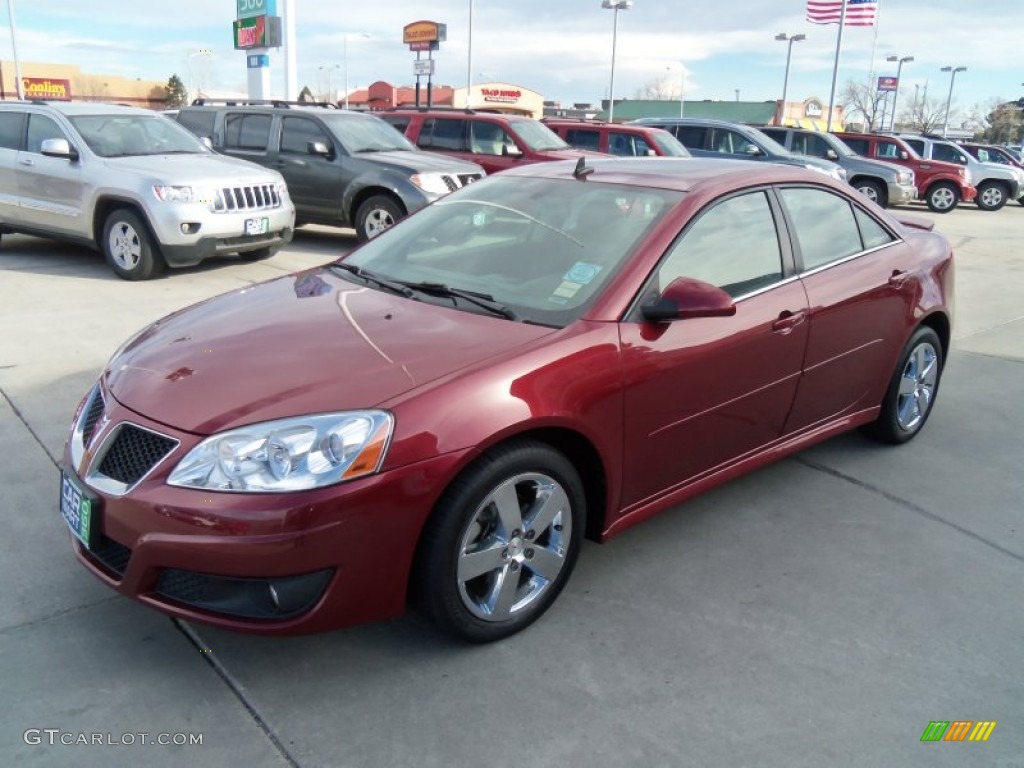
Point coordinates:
[(682, 174), (79, 107)]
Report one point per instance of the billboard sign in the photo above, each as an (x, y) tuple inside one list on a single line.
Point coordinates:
[(424, 32), (46, 88), (422, 67), (246, 9), (888, 84), (257, 32)]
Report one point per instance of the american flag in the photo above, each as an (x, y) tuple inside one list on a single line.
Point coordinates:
[(859, 13)]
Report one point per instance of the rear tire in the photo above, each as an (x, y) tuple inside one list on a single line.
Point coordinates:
[(942, 197), (873, 191), (991, 196), (501, 543), (910, 396), (375, 215), (129, 247)]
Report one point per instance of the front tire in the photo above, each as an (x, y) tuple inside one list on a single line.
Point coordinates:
[(375, 215), (911, 394), (991, 196), (502, 542), (260, 254), (942, 197), (873, 191), (129, 248)]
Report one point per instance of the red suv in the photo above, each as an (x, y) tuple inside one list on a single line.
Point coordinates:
[(941, 185), (617, 138), (491, 139)]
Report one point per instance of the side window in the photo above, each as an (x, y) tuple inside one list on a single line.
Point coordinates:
[(297, 133), (817, 146), (948, 154), (917, 145), (732, 143), (443, 133), (41, 128), (12, 125), (825, 225), (733, 245), (860, 146), (691, 136), (400, 124), (799, 144), (244, 131), (488, 138), (872, 233), (199, 122), (886, 149), (583, 139), (778, 134)]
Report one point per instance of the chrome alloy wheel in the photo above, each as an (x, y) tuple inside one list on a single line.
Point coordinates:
[(943, 198), (514, 547), (917, 386), (377, 221), (125, 245)]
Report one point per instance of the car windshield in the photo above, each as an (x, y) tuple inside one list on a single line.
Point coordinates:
[(768, 144), (363, 133), (537, 136), (669, 145), (540, 249), (127, 135)]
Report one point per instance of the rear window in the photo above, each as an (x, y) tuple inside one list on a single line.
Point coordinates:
[(584, 139), (243, 131), (200, 122), (12, 126), (860, 146)]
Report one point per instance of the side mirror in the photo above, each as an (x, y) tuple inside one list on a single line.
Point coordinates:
[(206, 141), (318, 148), (904, 155), (686, 297), (511, 150), (58, 148), (754, 151), (831, 154)]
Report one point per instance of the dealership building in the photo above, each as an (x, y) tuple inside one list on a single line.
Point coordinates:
[(62, 82)]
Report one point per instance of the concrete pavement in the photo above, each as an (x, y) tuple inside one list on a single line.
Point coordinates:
[(819, 612)]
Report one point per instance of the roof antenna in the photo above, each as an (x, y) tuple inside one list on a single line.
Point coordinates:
[(582, 171)]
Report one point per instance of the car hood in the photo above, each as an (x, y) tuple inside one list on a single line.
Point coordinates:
[(571, 153), (207, 169), (806, 160), (311, 342), (415, 160), (866, 164)]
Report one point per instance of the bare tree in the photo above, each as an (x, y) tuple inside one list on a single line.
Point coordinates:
[(660, 89), (862, 99), (925, 114)]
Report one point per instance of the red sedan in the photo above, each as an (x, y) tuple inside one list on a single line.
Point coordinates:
[(441, 416)]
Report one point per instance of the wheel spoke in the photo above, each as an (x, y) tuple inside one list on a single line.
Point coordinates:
[(930, 372), (546, 563), (473, 564), (908, 385), (503, 597), (924, 399), (907, 412), (554, 501), (506, 501)]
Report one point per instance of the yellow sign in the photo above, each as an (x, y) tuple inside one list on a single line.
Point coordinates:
[(43, 88), (424, 32)]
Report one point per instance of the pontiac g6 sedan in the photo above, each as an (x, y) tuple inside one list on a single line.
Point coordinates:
[(441, 416)]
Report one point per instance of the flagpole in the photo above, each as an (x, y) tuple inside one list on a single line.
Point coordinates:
[(14, 49), (835, 66)]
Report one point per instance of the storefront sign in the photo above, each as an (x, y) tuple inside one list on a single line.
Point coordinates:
[(813, 108), (425, 46), (245, 9), (424, 32), (45, 88), (422, 67), (888, 84), (501, 95), (258, 32)]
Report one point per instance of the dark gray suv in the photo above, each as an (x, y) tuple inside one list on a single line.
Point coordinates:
[(343, 168)]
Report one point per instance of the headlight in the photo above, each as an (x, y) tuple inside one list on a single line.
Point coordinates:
[(968, 179), (905, 177), (288, 455), (433, 183), (169, 194)]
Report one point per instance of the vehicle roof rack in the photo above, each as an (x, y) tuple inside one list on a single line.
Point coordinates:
[(445, 108), (277, 103)]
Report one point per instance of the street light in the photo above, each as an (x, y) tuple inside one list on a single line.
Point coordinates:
[(330, 78), (191, 56), (785, 80), (614, 5), (682, 85), (896, 94), (949, 98), (365, 35)]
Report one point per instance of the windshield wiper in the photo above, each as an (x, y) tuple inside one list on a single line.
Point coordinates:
[(484, 300), (397, 287)]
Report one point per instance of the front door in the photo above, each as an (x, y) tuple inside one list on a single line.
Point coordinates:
[(314, 180), (49, 188)]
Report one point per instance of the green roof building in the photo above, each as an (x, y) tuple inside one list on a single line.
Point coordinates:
[(756, 112)]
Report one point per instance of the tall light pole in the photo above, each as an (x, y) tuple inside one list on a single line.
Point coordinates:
[(14, 50), (949, 98), (614, 5), (469, 58), (682, 85), (896, 94), (345, 57), (785, 80), (330, 78)]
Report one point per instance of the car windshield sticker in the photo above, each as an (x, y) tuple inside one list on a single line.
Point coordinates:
[(566, 290), (581, 272)]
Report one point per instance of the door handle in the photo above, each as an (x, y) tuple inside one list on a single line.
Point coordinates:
[(898, 278), (787, 320), (27, 161)]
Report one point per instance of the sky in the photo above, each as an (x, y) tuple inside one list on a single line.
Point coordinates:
[(560, 48)]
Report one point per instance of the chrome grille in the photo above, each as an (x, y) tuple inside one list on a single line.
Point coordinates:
[(128, 455), (92, 415), (256, 197)]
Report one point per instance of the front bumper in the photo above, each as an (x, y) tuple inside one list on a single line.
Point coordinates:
[(212, 557), (900, 194)]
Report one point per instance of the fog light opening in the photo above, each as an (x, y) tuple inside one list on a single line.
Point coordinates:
[(189, 227)]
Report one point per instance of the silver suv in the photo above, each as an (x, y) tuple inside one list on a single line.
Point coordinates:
[(135, 185), (996, 184)]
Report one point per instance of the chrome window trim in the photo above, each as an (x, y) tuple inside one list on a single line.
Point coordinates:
[(851, 257), (113, 487)]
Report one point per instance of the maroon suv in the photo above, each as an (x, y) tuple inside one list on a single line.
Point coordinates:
[(491, 139), (940, 185)]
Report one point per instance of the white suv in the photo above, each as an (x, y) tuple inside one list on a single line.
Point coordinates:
[(135, 185), (996, 184)]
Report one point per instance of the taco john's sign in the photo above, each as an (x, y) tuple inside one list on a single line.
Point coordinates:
[(46, 88), (424, 32)]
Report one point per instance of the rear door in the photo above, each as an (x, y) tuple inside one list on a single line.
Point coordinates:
[(50, 189), (12, 134)]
